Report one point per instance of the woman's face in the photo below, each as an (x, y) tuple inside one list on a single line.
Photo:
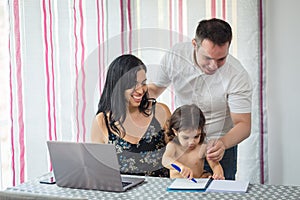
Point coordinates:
[(134, 95), (189, 139)]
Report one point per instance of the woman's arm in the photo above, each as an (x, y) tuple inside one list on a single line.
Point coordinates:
[(99, 132), (162, 114)]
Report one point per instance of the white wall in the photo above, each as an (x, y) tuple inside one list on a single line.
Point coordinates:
[(283, 96)]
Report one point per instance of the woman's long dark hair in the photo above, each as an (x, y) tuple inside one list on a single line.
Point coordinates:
[(186, 117), (121, 75)]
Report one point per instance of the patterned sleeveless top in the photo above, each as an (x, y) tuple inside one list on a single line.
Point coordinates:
[(143, 158)]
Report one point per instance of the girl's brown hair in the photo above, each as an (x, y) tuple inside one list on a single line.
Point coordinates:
[(186, 117)]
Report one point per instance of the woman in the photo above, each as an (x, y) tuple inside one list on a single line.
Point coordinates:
[(127, 118)]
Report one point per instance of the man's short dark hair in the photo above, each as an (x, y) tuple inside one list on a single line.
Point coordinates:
[(216, 30)]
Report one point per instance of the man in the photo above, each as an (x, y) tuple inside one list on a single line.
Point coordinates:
[(204, 73)]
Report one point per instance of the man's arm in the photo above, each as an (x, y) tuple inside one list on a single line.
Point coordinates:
[(154, 90), (239, 132)]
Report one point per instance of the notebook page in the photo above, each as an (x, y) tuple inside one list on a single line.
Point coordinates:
[(228, 186), (186, 184)]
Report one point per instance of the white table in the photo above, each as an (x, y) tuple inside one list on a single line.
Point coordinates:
[(155, 188)]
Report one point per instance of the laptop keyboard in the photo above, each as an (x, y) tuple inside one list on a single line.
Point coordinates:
[(125, 183)]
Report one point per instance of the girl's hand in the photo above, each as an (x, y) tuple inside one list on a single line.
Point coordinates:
[(218, 176), (186, 172)]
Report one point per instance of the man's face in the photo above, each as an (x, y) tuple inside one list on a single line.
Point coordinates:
[(209, 57)]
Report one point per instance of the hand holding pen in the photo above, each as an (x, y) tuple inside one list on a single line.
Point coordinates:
[(185, 172)]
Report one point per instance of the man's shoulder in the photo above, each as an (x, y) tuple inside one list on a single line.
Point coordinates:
[(180, 52), (234, 70), (234, 65), (232, 60)]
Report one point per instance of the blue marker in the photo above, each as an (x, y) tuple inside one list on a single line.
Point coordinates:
[(179, 170)]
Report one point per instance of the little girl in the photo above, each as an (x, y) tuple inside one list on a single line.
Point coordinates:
[(185, 135)]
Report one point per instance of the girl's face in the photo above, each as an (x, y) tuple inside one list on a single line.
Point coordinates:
[(188, 139), (134, 95)]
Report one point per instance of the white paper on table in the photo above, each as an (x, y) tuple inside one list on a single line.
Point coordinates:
[(228, 186), (186, 184)]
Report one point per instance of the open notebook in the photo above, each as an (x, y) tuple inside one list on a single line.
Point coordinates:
[(186, 184), (88, 166), (208, 185)]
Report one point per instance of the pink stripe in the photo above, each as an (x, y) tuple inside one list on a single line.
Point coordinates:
[(213, 8), (101, 29), (83, 71), (103, 47), (19, 89), (180, 19), (224, 9), (170, 22), (11, 119), (261, 91), (100, 45), (98, 23), (130, 28), (47, 74), (76, 71), (47, 70), (122, 26), (52, 70), (99, 37), (171, 44), (102, 20)]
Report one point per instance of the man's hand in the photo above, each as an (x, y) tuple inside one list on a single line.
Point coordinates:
[(215, 150)]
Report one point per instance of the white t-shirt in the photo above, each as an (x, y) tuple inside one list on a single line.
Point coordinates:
[(229, 89)]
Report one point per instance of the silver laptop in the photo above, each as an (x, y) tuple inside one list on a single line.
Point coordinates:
[(88, 166)]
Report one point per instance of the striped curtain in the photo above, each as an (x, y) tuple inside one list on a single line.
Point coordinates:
[(54, 56)]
